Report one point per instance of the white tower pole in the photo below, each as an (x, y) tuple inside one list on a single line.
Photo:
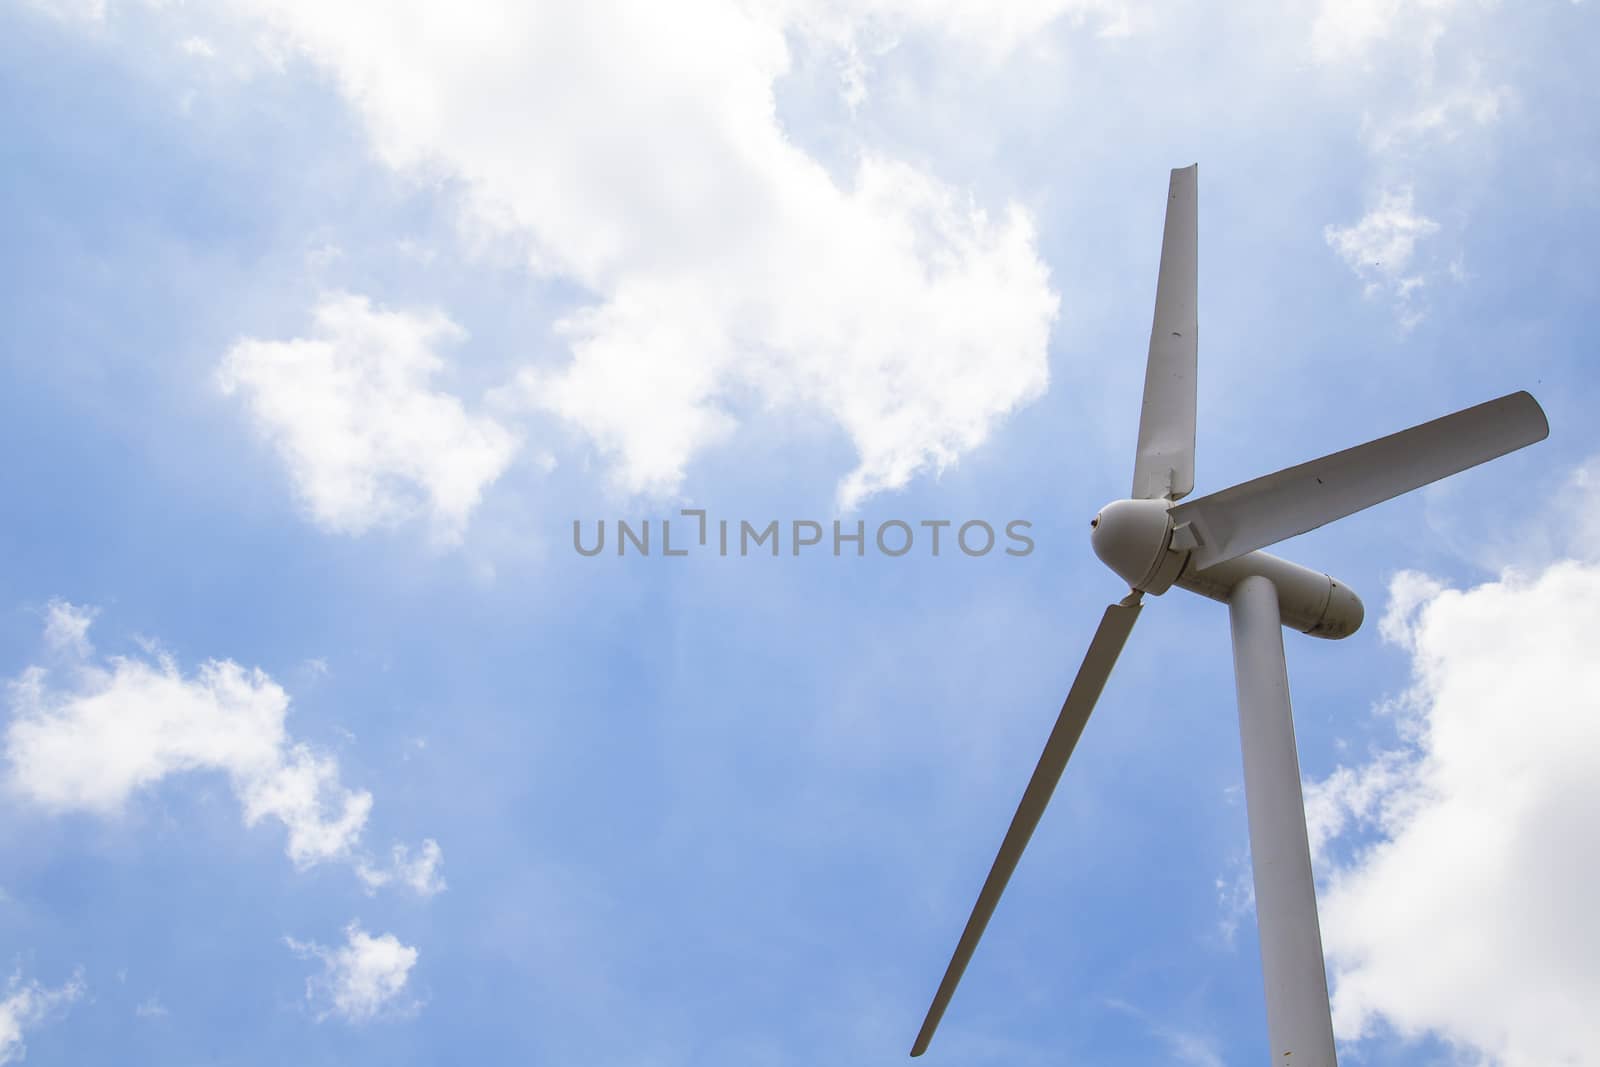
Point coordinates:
[(1299, 1024)]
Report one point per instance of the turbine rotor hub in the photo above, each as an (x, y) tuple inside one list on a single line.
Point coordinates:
[(1134, 538)]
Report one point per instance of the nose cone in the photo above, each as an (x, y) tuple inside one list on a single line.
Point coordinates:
[(1130, 536)]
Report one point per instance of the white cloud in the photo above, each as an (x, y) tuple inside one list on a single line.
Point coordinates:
[(122, 726), (1471, 913), (91, 11), (1236, 898), (350, 410), (26, 1005), (1380, 247), (637, 151), (360, 980), (1000, 28), (1579, 506), (1350, 31), (151, 1008), (1184, 1046), (1440, 117), (198, 47), (1382, 244), (1346, 29), (66, 628), (1347, 798), (731, 273), (1425, 83), (321, 256), (992, 31), (420, 872)]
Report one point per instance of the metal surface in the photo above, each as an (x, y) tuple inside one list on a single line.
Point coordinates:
[(1270, 509), (1107, 644), (1308, 601), (1130, 537), (1299, 1025), (1164, 461)]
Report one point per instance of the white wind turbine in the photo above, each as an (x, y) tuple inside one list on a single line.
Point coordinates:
[(1211, 546)]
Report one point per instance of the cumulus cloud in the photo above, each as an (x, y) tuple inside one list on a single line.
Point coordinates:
[(26, 1005), (352, 412), (1465, 908), (730, 273), (636, 152), (122, 725), (360, 980)]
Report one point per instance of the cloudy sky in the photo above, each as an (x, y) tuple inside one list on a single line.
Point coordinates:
[(320, 743)]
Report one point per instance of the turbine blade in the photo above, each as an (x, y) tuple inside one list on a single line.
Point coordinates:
[(1255, 514), (1097, 663), (1164, 463)]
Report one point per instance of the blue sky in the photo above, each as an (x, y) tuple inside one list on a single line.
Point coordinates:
[(324, 326)]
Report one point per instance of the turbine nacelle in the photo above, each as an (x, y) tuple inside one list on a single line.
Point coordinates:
[(1142, 545)]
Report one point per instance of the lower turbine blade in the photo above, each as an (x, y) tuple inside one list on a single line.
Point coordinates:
[(1097, 663), (1255, 514)]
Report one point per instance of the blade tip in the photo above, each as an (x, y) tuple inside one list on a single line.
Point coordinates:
[(1544, 420)]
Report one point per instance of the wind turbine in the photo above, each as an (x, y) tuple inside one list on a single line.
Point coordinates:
[(1212, 546)]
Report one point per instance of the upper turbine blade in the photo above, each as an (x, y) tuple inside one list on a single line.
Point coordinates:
[(1097, 663), (1262, 512), (1164, 464)]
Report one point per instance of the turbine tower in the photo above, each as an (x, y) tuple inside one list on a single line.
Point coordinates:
[(1212, 546)]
